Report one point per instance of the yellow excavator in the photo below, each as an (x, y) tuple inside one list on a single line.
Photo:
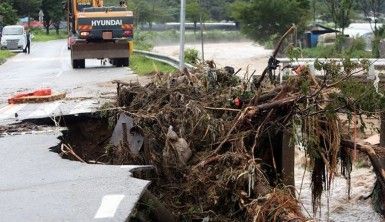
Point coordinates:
[(98, 32)]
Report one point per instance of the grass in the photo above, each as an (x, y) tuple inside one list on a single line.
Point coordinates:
[(144, 66), (41, 36), (355, 50), (331, 52), (4, 55)]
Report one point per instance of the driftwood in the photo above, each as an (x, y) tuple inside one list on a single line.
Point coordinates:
[(374, 154), (274, 55)]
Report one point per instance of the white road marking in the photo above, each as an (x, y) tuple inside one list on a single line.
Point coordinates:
[(62, 61), (39, 59), (10, 110), (4, 108), (109, 205), (45, 110)]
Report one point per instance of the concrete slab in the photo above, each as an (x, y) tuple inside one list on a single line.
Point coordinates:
[(37, 185), (14, 113)]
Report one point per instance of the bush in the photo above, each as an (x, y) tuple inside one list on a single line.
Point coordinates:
[(143, 40), (356, 50), (358, 44), (191, 56), (143, 66), (320, 52), (39, 35), (4, 55)]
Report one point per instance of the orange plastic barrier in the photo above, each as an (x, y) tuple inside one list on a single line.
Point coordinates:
[(26, 95)]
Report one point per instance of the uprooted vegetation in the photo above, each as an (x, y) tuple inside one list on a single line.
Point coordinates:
[(216, 139), (219, 143)]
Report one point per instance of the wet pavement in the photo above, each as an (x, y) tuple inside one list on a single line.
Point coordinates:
[(49, 65), (37, 184)]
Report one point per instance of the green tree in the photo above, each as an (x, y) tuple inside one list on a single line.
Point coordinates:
[(46, 7), (28, 8), (340, 11), (148, 12), (262, 19), (53, 14), (142, 12), (373, 9), (8, 14), (194, 12), (57, 14)]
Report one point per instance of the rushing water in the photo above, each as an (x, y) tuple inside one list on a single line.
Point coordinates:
[(341, 209)]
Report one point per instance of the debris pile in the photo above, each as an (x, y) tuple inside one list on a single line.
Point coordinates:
[(199, 138), (216, 140)]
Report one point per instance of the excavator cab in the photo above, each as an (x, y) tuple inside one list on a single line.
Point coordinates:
[(82, 4), (98, 32)]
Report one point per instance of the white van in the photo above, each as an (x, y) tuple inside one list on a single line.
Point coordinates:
[(14, 37)]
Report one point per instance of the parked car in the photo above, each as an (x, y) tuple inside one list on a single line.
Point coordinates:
[(14, 37)]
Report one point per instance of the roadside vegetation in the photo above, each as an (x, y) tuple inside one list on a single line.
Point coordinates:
[(40, 36), (4, 55), (357, 49), (144, 66)]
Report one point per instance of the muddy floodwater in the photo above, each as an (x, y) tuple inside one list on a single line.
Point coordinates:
[(237, 54), (341, 209)]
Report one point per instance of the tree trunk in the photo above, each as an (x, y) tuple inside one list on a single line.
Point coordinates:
[(382, 131), (57, 27), (376, 157), (29, 20)]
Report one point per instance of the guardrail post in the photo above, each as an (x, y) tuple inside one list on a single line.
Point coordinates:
[(182, 36)]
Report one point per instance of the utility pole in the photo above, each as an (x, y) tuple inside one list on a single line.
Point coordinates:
[(182, 31), (202, 40)]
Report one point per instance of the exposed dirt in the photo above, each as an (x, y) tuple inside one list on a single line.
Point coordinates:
[(19, 128), (88, 136)]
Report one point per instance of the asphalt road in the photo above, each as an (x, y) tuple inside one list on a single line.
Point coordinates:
[(35, 183), (49, 65)]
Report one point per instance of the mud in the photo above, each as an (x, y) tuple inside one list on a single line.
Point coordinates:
[(88, 136)]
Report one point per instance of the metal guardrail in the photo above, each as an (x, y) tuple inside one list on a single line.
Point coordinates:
[(162, 58), (375, 64)]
